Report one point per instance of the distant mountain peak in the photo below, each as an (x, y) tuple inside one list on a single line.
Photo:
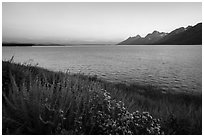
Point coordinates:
[(188, 27), (154, 36), (189, 35), (138, 36), (155, 32)]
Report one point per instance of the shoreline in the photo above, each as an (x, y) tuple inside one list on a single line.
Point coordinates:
[(83, 45)]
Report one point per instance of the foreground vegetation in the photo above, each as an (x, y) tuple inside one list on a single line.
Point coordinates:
[(38, 101)]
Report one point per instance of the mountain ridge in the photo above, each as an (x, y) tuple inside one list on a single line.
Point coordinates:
[(191, 35)]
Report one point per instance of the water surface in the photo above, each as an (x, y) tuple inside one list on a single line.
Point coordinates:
[(177, 67)]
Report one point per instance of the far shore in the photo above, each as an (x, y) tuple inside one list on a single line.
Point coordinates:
[(72, 45), (39, 45)]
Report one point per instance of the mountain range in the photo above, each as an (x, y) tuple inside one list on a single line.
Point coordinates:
[(191, 35)]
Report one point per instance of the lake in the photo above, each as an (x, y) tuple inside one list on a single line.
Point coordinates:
[(177, 68)]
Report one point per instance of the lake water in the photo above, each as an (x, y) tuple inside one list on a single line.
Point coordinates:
[(177, 68)]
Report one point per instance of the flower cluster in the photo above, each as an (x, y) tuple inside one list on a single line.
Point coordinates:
[(109, 116)]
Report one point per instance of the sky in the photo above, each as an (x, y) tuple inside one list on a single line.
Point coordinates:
[(100, 22)]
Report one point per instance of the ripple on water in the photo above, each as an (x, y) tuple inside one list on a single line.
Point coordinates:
[(164, 89), (176, 80), (103, 75), (176, 89), (150, 76), (177, 86), (164, 77), (184, 86)]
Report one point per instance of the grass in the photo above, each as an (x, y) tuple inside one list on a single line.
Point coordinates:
[(39, 101)]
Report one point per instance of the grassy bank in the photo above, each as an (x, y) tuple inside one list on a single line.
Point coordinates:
[(39, 101)]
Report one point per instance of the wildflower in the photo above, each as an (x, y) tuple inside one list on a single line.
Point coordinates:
[(145, 113)]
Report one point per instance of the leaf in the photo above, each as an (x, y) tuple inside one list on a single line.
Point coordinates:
[(9, 102)]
